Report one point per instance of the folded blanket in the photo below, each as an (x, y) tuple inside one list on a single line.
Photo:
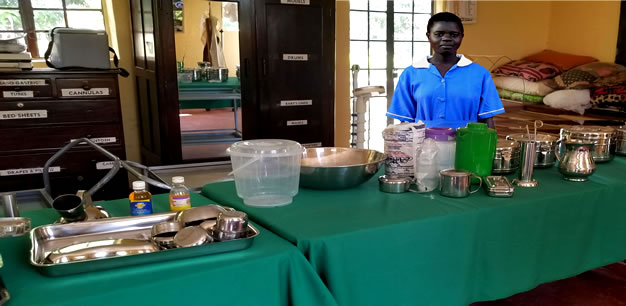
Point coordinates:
[(517, 96), (520, 85)]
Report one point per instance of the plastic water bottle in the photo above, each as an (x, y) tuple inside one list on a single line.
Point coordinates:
[(179, 195), (140, 199)]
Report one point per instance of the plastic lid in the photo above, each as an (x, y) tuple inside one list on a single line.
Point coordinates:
[(265, 147), (139, 185), (440, 133), (178, 180)]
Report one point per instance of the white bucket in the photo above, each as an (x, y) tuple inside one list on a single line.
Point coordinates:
[(267, 171)]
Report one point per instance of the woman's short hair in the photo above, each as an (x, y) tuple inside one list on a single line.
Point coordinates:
[(444, 16)]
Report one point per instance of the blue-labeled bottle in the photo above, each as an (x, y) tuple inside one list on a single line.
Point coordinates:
[(140, 199)]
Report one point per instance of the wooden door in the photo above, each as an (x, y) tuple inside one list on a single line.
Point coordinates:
[(155, 76), (295, 49)]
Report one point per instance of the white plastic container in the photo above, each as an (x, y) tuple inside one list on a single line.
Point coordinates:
[(446, 142), (267, 171)]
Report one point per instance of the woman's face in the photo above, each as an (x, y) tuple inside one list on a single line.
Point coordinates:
[(445, 37)]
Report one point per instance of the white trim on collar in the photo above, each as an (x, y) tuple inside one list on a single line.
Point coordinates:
[(423, 62)]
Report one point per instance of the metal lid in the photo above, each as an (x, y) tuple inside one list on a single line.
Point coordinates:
[(394, 181), (196, 215), (452, 172), (191, 236), (441, 133), (541, 137), (589, 132), (164, 229), (506, 145), (232, 221)]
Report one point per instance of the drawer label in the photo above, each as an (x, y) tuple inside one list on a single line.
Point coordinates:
[(18, 94), (105, 165), (23, 82), (25, 114), (297, 122), (100, 140), (26, 171), (312, 145), (79, 92), (299, 2), (295, 102), (295, 57)]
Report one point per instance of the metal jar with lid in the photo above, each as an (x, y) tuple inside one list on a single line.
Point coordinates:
[(507, 157), (602, 137), (621, 140), (546, 145)]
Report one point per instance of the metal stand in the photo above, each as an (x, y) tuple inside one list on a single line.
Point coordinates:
[(359, 108)]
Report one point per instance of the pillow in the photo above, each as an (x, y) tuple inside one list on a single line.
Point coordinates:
[(616, 79), (518, 96), (577, 100), (528, 70), (602, 69), (564, 61), (575, 79), (612, 97), (520, 85)]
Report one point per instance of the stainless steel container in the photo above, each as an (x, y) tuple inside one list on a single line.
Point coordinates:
[(603, 138), (506, 159), (499, 186), (217, 75), (546, 146), (457, 184), (620, 145), (527, 155), (394, 185), (197, 74)]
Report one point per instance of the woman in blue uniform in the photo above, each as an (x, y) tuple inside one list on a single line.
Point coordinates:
[(445, 89)]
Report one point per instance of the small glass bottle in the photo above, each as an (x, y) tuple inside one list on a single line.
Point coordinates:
[(179, 195), (140, 199)]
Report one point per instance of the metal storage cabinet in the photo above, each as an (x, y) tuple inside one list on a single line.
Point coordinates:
[(41, 111)]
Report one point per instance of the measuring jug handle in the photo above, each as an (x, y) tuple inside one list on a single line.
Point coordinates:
[(480, 183)]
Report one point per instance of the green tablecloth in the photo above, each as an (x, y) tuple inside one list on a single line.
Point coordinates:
[(270, 272), (231, 83), (372, 248), (204, 86)]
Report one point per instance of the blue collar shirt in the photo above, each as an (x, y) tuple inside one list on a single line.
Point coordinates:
[(465, 94)]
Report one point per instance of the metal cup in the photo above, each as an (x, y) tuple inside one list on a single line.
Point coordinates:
[(70, 207), (230, 225), (527, 162), (457, 184)]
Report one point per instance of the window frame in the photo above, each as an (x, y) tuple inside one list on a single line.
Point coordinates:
[(27, 15)]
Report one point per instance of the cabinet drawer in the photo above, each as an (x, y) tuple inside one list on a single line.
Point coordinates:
[(87, 88), (20, 89), (35, 113), (79, 161), (54, 138)]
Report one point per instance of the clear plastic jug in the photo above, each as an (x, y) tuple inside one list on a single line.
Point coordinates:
[(267, 171)]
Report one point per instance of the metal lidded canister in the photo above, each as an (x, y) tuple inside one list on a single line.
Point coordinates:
[(603, 138), (507, 157)]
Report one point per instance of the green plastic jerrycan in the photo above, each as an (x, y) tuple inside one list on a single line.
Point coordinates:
[(475, 149)]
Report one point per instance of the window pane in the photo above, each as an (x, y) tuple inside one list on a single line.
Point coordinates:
[(378, 122), (378, 55), (423, 6), (86, 19), (402, 27), (402, 56), (378, 78), (358, 25), (358, 53), (403, 6), (8, 3), (83, 4), (42, 42), (46, 20), (378, 5), (420, 49), (378, 26), (10, 20), (47, 4), (358, 4), (420, 23)]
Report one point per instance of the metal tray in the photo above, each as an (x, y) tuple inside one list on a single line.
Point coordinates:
[(48, 238)]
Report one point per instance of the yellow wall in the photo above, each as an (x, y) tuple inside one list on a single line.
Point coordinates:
[(585, 27), (188, 42), (342, 74)]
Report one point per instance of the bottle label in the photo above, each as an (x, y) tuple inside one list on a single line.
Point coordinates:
[(139, 208), (180, 203)]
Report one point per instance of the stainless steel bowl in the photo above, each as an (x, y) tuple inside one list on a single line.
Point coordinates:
[(338, 168)]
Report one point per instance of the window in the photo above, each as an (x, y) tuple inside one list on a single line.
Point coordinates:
[(385, 38), (37, 17)]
